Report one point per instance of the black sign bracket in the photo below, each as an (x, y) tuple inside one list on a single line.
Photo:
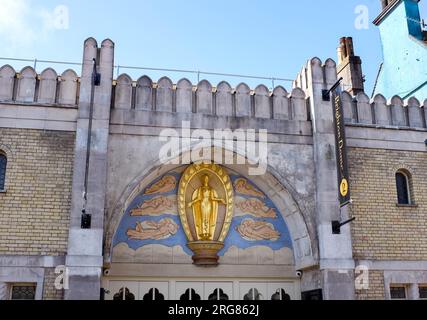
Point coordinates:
[(326, 94), (336, 225)]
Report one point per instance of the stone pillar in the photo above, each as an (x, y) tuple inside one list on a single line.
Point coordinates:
[(335, 251), (413, 292), (84, 257), (3, 291)]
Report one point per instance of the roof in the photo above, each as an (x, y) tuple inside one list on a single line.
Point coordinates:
[(387, 10)]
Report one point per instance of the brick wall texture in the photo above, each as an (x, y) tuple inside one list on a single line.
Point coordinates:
[(49, 290), (375, 289), (383, 230), (34, 210)]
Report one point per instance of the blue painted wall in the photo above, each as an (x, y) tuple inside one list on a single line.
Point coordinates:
[(404, 53), (233, 238)]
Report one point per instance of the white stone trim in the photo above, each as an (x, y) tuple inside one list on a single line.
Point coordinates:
[(31, 261), (191, 271), (11, 275), (394, 265), (383, 138), (411, 279), (38, 117), (337, 264)]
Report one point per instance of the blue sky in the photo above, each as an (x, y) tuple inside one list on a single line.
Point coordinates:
[(267, 38)]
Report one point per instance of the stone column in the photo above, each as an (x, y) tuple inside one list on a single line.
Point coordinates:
[(3, 291), (84, 257), (336, 259), (413, 292)]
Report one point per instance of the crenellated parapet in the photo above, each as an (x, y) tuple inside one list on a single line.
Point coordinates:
[(204, 98), (144, 94), (28, 87), (378, 112), (361, 110)]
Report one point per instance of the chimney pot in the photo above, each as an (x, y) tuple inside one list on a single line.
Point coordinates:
[(384, 3)]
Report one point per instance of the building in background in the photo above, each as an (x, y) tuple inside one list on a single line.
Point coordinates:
[(127, 226), (404, 43)]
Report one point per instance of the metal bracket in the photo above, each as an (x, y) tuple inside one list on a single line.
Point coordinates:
[(96, 76), (326, 94), (336, 225), (86, 221)]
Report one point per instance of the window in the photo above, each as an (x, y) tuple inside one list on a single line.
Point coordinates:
[(423, 292), (124, 294), (153, 295), (398, 293), (403, 185), (3, 163), (23, 292), (312, 295), (190, 294), (253, 294), (280, 295), (218, 294)]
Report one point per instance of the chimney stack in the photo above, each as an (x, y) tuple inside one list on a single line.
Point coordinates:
[(350, 67), (385, 3)]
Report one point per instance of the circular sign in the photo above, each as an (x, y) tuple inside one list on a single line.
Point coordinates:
[(344, 187)]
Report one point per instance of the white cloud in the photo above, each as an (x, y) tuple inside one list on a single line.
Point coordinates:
[(22, 24), (15, 29)]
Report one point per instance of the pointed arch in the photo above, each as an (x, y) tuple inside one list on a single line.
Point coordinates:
[(279, 190)]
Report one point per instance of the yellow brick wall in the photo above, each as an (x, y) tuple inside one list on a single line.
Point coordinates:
[(34, 211), (384, 231), (375, 289)]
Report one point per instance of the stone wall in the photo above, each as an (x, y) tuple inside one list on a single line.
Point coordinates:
[(383, 230), (35, 209)]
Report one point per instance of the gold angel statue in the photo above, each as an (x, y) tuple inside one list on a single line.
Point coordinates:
[(205, 210), (151, 230), (252, 230)]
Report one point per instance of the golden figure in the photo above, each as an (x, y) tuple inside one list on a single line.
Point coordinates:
[(244, 187), (256, 208), (205, 226), (156, 206), (205, 209), (151, 230), (257, 230), (164, 185)]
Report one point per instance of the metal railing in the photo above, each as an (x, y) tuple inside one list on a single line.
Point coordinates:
[(118, 68)]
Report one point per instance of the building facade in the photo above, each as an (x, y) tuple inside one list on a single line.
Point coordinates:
[(90, 208), (404, 44)]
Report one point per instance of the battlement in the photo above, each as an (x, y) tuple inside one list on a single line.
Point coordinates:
[(28, 87), (129, 99), (378, 112), (47, 88), (203, 98), (360, 110)]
